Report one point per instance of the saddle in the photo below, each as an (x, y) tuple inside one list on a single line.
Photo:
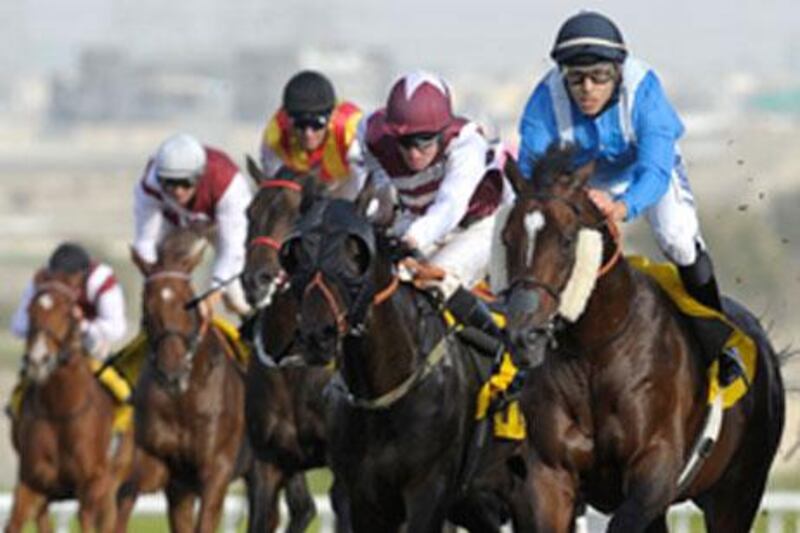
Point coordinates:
[(713, 330)]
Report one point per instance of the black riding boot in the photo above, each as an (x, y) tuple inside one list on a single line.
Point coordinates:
[(700, 282)]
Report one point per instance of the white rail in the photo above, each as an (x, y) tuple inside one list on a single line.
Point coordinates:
[(778, 507)]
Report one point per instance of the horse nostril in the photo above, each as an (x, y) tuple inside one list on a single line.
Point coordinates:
[(264, 277)]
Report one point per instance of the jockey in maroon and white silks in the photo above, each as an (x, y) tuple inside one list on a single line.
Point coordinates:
[(447, 177), (100, 300), (204, 187)]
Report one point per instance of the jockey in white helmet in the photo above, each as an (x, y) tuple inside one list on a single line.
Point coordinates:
[(186, 183)]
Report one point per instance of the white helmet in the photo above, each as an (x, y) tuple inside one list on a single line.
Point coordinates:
[(180, 157)]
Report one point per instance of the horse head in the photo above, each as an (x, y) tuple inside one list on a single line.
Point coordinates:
[(549, 248), (270, 217), (174, 328), (53, 331), (336, 272)]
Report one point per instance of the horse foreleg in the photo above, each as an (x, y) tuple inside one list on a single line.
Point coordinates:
[(181, 507), (212, 498), (265, 514), (424, 507), (27, 503), (301, 504), (340, 502), (148, 475), (650, 483), (553, 494)]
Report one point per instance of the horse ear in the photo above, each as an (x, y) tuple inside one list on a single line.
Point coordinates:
[(376, 202), (312, 191), (515, 177), (145, 267), (195, 255), (582, 175), (254, 170)]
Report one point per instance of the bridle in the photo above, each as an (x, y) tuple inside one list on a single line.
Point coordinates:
[(266, 240), (64, 348), (190, 340)]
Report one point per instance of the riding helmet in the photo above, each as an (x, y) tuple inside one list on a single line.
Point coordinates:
[(181, 157), (308, 92), (69, 258), (586, 38), (419, 102)]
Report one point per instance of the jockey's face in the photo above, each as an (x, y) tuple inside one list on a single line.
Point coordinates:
[(310, 130), (419, 150), (591, 86), (181, 191)]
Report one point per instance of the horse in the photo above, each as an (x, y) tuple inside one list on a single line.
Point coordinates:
[(401, 406), (189, 400), (63, 435), (619, 389), (283, 403)]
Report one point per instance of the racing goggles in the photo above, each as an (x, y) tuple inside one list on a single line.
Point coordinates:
[(420, 141), (314, 121), (175, 183), (599, 74)]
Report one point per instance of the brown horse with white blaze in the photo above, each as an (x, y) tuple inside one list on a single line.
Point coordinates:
[(189, 400), (621, 393), (64, 431)]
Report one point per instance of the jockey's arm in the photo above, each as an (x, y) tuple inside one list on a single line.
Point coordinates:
[(657, 128), (148, 220), (108, 326), (464, 170), (19, 320), (537, 130), (349, 188), (231, 219), (271, 164)]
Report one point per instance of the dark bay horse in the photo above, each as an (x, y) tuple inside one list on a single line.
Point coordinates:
[(283, 403), (64, 431), (402, 405), (621, 395), (189, 400)]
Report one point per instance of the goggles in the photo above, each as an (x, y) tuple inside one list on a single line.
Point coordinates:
[(420, 141), (598, 74), (314, 121), (172, 183)]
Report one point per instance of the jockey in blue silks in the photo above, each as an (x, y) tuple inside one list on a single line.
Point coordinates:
[(612, 109)]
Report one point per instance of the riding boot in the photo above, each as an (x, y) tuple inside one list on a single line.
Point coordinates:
[(701, 284), (471, 311)]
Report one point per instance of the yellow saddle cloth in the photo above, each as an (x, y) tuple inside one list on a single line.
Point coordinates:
[(508, 423), (667, 277)]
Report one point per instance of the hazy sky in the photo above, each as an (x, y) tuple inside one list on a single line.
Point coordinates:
[(451, 35)]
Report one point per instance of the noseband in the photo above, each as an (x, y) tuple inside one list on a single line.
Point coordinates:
[(190, 340)]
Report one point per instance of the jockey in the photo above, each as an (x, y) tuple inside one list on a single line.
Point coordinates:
[(612, 108), (448, 182), (186, 183), (100, 308), (313, 133)]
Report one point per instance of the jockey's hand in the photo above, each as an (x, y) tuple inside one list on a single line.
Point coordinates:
[(207, 305), (615, 210)]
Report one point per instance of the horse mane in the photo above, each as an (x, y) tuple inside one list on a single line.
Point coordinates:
[(555, 166), (180, 244)]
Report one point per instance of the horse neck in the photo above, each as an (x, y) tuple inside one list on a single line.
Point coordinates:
[(609, 307), (68, 387), (386, 354)]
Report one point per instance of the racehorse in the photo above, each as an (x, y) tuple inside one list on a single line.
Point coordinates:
[(621, 393), (189, 400), (64, 431), (283, 403), (402, 404)]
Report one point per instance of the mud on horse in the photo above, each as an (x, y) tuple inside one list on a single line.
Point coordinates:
[(64, 431), (401, 407), (189, 400), (283, 402), (621, 393)]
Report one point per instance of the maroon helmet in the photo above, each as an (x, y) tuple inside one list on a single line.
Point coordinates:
[(419, 102)]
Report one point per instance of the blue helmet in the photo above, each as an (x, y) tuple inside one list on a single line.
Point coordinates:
[(588, 37)]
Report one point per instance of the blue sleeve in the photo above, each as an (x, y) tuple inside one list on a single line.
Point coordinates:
[(537, 129), (657, 128)]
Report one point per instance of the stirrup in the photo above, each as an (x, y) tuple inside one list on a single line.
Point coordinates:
[(731, 368)]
